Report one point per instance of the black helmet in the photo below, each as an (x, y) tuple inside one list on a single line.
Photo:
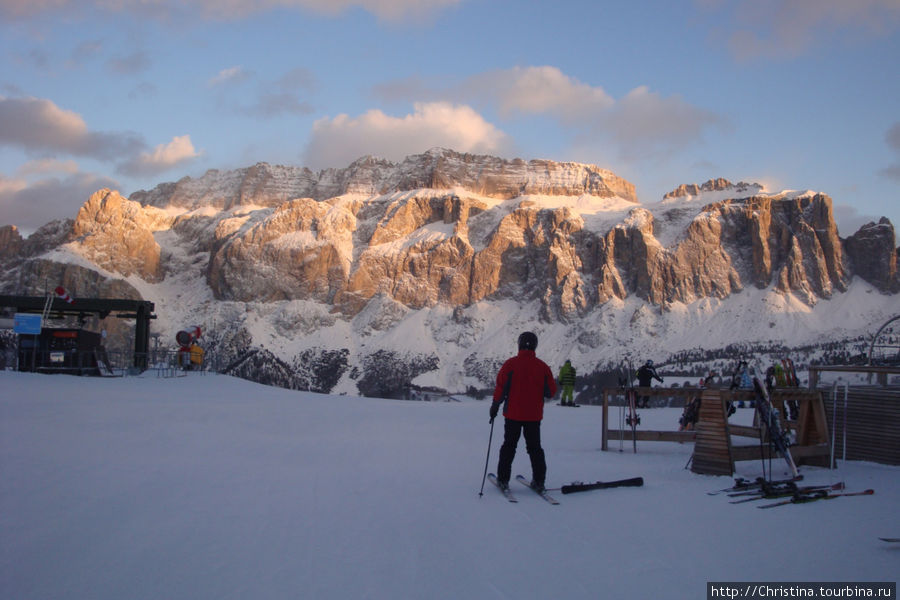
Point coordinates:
[(649, 363), (527, 341)]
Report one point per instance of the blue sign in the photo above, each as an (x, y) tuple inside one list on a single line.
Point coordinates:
[(27, 323)]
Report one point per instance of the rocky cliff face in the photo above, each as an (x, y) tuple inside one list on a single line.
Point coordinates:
[(265, 185), (10, 242), (117, 234), (457, 229), (376, 241), (873, 257)]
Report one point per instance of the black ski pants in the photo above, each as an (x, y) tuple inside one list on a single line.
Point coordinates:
[(532, 432)]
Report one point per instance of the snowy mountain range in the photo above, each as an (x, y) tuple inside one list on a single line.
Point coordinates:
[(379, 276)]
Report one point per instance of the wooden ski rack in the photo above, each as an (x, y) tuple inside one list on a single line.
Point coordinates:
[(714, 449)]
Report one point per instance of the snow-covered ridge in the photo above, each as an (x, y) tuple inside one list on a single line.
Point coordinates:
[(270, 185), (439, 273)]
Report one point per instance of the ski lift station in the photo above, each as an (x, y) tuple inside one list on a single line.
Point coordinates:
[(72, 350)]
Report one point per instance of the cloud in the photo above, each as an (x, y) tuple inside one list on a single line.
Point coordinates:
[(849, 220), (230, 76), (38, 125), (132, 64), (29, 205), (48, 165), (789, 28), (296, 79), (386, 10), (338, 141), (892, 139), (276, 104), (29, 8), (645, 124), (641, 124), (547, 90), (274, 99), (164, 157), (85, 51)]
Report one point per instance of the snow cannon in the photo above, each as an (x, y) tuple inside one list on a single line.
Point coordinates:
[(186, 337), (63, 294)]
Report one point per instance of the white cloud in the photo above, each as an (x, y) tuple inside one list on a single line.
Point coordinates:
[(641, 124), (338, 141), (231, 75), (165, 156), (534, 90)]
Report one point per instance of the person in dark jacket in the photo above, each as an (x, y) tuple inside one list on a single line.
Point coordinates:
[(522, 384), (645, 376), (567, 381)]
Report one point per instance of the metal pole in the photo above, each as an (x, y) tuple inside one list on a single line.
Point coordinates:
[(487, 459), (846, 392), (834, 387)]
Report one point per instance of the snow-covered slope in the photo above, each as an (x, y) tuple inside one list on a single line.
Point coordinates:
[(212, 488)]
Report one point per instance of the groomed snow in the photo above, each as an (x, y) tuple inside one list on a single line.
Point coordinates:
[(212, 487)]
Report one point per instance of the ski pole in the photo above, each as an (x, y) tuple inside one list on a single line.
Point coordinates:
[(487, 458), (834, 391), (844, 435)]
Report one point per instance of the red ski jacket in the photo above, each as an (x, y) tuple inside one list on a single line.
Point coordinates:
[(523, 381)]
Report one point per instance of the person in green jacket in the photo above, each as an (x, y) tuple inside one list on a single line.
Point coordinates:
[(567, 381)]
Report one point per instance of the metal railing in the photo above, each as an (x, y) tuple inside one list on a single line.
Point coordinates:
[(165, 363)]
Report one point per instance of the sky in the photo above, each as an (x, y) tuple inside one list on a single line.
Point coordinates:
[(127, 94)]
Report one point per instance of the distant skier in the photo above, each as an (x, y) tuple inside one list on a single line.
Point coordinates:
[(522, 384), (645, 376), (690, 415), (740, 380), (566, 379)]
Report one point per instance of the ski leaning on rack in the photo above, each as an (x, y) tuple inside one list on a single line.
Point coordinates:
[(768, 417), (542, 493), (505, 491), (813, 496), (633, 419), (577, 486)]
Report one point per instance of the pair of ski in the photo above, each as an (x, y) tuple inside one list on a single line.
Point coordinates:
[(741, 484), (571, 488), (521, 479), (782, 491), (813, 496)]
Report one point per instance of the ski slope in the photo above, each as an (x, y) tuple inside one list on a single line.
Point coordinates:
[(210, 487)]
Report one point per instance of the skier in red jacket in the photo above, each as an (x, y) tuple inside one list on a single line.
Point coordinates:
[(522, 384)]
